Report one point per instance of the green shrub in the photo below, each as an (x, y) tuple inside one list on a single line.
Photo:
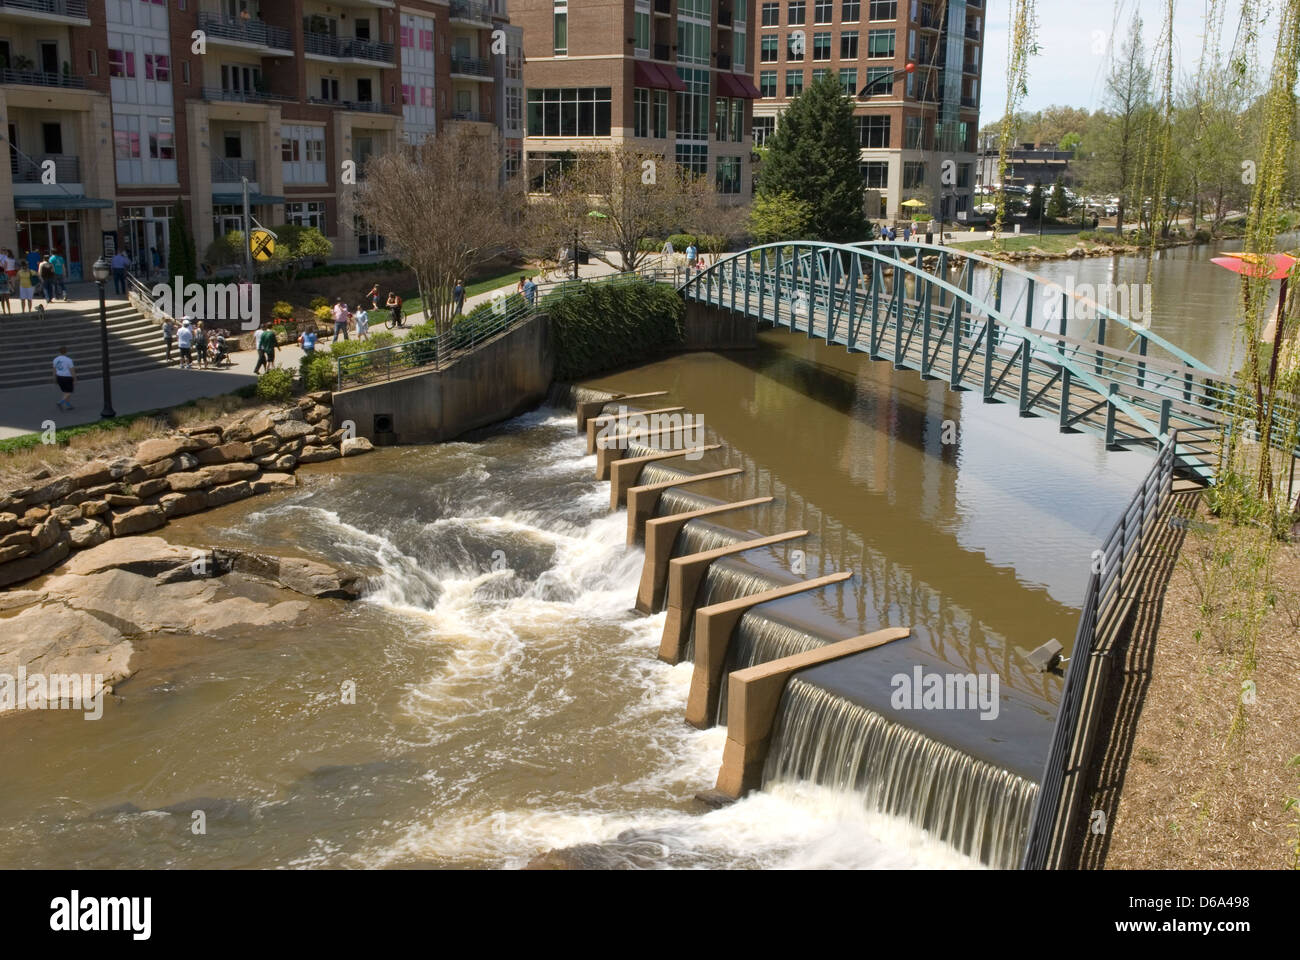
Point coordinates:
[(1202, 236), (323, 314), (283, 310), (248, 391), (317, 303), (318, 372), (602, 326), (276, 384), (681, 241), (650, 245)]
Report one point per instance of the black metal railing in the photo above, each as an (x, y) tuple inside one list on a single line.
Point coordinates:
[(474, 66), (39, 78), (346, 48), (58, 8), (724, 61), (66, 168), (246, 31), (473, 116), (241, 96), (232, 169), (470, 10), (362, 106), (1116, 567)]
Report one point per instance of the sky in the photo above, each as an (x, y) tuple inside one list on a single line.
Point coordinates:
[(1076, 37)]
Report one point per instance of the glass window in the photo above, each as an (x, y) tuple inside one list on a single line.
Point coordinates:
[(795, 13), (821, 46), (694, 158), (768, 49), (879, 77), (873, 131), (884, 10), (568, 112), (737, 119), (771, 14), (767, 83), (822, 10), (560, 47), (850, 11), (914, 134), (640, 112), (794, 49), (728, 174), (849, 81), (661, 114), (875, 174), (913, 175), (764, 127), (849, 45), (793, 83), (641, 31), (819, 74), (721, 119), (880, 43)]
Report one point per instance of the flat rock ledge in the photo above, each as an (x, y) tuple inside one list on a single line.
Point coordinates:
[(203, 466), (81, 619)]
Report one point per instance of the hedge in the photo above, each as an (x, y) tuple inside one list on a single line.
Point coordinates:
[(600, 326), (318, 372), (275, 385)]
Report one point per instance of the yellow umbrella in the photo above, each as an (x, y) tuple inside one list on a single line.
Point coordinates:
[(913, 203)]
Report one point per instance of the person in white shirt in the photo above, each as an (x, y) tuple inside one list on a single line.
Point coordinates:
[(184, 342), (65, 375), (362, 318)]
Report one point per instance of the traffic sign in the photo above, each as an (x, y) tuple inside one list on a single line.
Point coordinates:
[(263, 245)]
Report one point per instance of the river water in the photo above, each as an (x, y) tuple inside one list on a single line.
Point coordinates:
[(508, 700)]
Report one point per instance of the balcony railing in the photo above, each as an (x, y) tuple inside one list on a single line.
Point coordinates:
[(232, 169), (470, 10), (362, 106), (58, 8), (241, 96), (67, 169), (661, 51), (245, 31), (473, 116), (346, 48), (969, 102), (724, 61), (724, 18), (471, 65), (973, 31), (970, 68), (38, 78)]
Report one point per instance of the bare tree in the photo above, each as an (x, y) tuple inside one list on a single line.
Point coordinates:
[(614, 200), (443, 210)]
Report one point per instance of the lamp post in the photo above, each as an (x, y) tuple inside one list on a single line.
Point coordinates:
[(100, 271)]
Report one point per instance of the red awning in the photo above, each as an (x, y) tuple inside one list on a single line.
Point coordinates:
[(671, 80), (744, 86), (647, 75), (727, 85)]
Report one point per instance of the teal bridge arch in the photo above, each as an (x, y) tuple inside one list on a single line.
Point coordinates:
[(916, 305)]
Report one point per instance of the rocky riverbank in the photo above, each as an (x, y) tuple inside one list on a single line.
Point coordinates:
[(199, 467)]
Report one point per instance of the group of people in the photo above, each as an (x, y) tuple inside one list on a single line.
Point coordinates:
[(195, 343), (36, 274), (527, 288)]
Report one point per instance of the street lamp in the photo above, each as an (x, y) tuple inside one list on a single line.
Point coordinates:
[(100, 271)]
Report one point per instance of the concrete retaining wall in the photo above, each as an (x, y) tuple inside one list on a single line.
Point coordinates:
[(499, 380)]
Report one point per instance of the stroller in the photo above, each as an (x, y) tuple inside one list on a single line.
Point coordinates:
[(217, 353)]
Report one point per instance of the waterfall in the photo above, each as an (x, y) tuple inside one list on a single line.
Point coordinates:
[(567, 396), (980, 809), (682, 501), (758, 639), (659, 473), (724, 581)]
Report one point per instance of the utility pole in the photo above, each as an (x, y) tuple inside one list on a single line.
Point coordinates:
[(248, 236)]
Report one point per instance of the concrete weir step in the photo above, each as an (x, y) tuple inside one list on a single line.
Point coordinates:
[(642, 501), (595, 424), (713, 627), (623, 473), (753, 695), (589, 408)]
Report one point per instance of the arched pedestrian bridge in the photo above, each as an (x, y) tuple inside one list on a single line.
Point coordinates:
[(1002, 331)]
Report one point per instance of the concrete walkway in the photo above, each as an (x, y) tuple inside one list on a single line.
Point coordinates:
[(26, 410)]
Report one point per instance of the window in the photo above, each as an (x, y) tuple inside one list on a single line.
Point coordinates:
[(822, 10), (693, 107), (771, 14), (913, 175), (661, 114), (875, 174), (767, 84), (821, 46), (737, 119), (302, 150), (768, 49), (819, 74), (693, 158), (739, 48), (880, 43), (568, 111), (963, 174), (794, 14), (850, 11), (308, 213), (721, 118), (879, 78), (641, 31), (764, 127), (728, 175), (883, 10), (794, 49), (849, 81), (363, 90), (329, 88), (793, 83), (561, 44), (162, 146), (914, 134), (121, 63), (849, 45), (640, 112), (93, 62), (185, 72), (126, 144), (873, 131)]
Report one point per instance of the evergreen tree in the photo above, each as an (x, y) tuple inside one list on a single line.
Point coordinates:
[(1058, 205), (813, 157), (182, 259), (1036, 203)]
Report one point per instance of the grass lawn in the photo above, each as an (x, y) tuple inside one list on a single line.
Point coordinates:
[(492, 281)]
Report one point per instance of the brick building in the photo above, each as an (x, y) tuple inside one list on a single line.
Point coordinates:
[(114, 109)]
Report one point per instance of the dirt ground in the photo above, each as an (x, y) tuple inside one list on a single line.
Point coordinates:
[(1209, 767)]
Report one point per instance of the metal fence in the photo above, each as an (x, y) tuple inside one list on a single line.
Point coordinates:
[(1117, 566)]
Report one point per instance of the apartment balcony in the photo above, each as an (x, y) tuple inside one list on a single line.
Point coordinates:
[(233, 170), (360, 106), (724, 60), (662, 52), (969, 102), (971, 68), (38, 78), (928, 20), (67, 168), (243, 96), (245, 34), (471, 116), (664, 8), (972, 31), (471, 68), (470, 12), (70, 12), (724, 18), (346, 48)]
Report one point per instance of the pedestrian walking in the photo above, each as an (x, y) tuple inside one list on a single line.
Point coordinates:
[(307, 340), (33, 259), (458, 297), (341, 316), (59, 264), (185, 343), (692, 257), (10, 267), (519, 287), (201, 345), (394, 304), (45, 274), (65, 375), (265, 348), (373, 297), (119, 263), (157, 260), (6, 291), (26, 287), (169, 336), (530, 291), (362, 318)]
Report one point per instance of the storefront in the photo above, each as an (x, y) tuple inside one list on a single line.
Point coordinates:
[(64, 230)]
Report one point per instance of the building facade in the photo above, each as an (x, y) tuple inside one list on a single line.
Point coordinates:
[(672, 77), (1027, 164), (115, 110), (917, 134)]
